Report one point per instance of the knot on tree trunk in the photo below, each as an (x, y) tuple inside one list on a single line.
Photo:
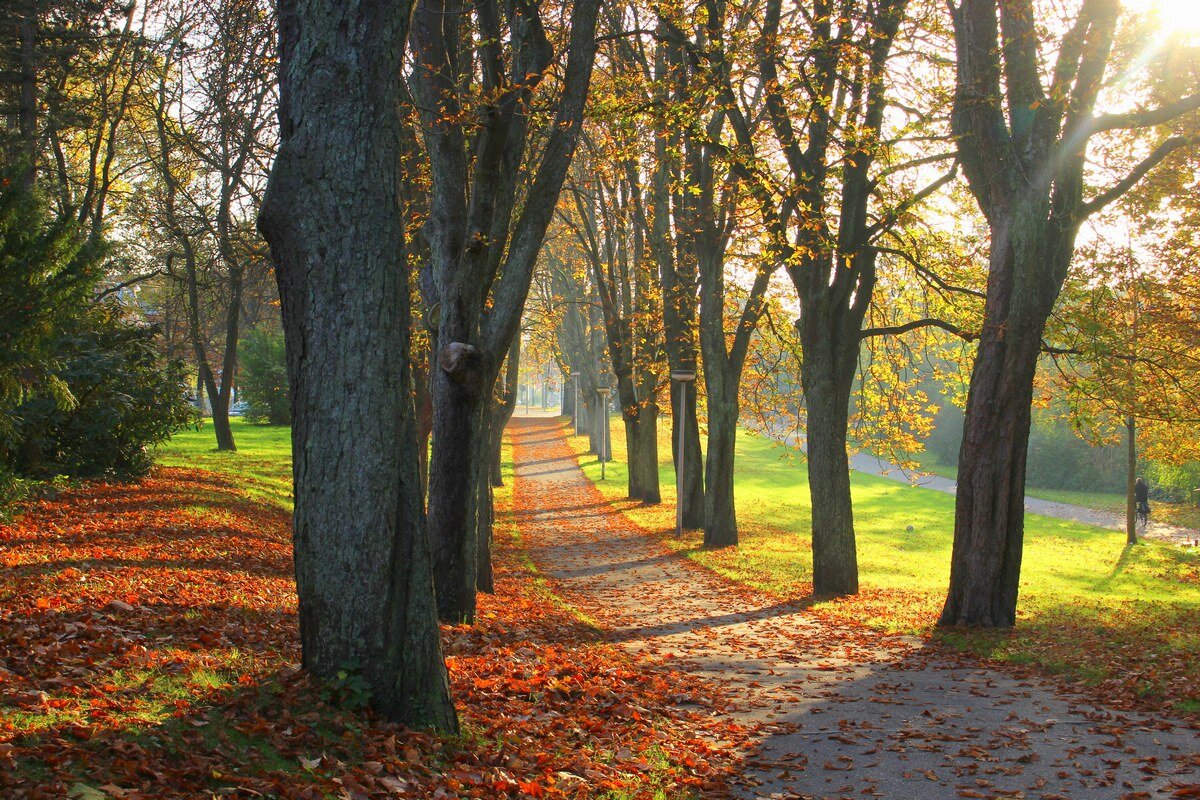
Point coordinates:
[(460, 361)]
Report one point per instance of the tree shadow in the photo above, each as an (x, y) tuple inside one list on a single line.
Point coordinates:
[(1119, 566)]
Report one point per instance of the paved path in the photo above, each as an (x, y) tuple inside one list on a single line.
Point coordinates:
[(874, 465), (832, 712)]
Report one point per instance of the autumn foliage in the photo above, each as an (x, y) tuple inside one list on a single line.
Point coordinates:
[(148, 643)]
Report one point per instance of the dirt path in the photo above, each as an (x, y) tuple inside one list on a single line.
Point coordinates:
[(835, 712)]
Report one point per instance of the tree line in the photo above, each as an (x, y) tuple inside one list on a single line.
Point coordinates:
[(700, 189)]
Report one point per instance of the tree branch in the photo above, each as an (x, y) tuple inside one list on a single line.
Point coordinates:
[(1124, 185)]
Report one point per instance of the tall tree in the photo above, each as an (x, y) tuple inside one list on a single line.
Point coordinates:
[(613, 243), (213, 140), (1023, 133), (828, 121), (492, 197), (700, 66), (333, 217)]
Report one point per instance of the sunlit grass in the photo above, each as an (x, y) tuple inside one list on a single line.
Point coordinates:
[(262, 464), (1186, 515), (1088, 601)]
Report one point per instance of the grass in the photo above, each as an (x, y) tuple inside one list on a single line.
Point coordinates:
[(262, 464), (1091, 607), (1185, 515)]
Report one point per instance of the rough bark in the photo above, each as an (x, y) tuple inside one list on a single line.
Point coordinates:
[(332, 218), (720, 519), (1023, 148), (641, 442), (989, 514), (827, 372), (692, 494)]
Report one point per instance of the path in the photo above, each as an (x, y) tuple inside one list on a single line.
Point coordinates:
[(836, 711), (874, 465)]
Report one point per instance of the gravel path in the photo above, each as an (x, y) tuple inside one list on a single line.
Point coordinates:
[(832, 711)]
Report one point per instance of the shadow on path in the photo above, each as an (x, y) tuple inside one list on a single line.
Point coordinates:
[(833, 711)]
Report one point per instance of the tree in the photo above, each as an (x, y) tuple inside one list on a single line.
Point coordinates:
[(698, 65), (47, 272), (69, 70), (828, 120), (1023, 145), (493, 194), (332, 216), (1127, 352), (566, 310), (213, 141), (263, 381), (613, 244), (665, 72)]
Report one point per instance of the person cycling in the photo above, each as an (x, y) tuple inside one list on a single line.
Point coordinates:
[(1141, 496)]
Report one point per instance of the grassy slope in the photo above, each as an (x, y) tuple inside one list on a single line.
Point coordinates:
[(1082, 588)]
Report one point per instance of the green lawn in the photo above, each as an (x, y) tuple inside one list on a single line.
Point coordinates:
[(262, 462), (1186, 515), (1090, 605)]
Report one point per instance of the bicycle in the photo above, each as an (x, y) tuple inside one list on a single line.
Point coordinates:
[(1143, 515)]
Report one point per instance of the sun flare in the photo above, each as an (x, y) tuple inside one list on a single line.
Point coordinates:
[(1172, 14)]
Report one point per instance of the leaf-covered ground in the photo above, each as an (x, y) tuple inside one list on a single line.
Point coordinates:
[(148, 649)]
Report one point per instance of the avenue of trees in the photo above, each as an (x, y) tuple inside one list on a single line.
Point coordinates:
[(826, 218)]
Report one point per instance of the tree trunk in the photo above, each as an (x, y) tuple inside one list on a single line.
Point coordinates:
[(490, 474), (332, 218), (424, 411), (720, 521), (220, 419), (485, 510), (505, 408), (693, 457), (218, 395), (566, 406), (641, 444), (597, 419), (1130, 480), (453, 492), (827, 373), (584, 417), (989, 514)]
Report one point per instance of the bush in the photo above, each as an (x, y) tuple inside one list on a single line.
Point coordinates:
[(47, 270), (1173, 483), (127, 398), (262, 380), (1058, 458)]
